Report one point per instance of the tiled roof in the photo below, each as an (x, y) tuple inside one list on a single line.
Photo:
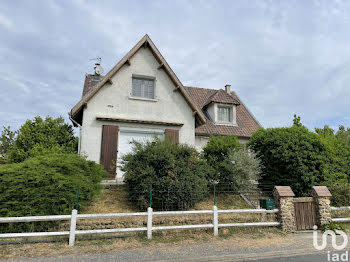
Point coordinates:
[(90, 82), (246, 123), (220, 96)]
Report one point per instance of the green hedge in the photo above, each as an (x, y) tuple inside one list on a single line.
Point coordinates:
[(340, 195), (46, 185), (176, 172)]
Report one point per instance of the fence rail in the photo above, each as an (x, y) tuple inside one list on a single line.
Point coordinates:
[(340, 208), (341, 219), (149, 214)]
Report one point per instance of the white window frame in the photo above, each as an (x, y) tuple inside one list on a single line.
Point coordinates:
[(233, 114)]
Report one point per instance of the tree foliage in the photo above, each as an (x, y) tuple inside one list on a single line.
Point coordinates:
[(336, 165), (46, 185), (240, 171), (217, 150), (300, 158), (176, 172), (39, 134), (340, 194), (7, 141), (290, 156)]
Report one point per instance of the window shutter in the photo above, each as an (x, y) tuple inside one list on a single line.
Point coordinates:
[(109, 148), (173, 134)]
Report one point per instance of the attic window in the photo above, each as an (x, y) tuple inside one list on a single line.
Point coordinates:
[(142, 87), (224, 114)]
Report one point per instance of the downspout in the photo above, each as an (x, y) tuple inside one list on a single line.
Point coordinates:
[(76, 123)]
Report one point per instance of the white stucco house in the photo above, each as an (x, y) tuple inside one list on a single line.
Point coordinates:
[(141, 97)]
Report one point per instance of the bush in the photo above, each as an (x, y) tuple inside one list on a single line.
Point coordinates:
[(291, 156), (46, 185), (240, 171), (176, 172), (340, 195), (34, 135), (217, 150)]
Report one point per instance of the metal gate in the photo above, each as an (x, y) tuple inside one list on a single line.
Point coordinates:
[(305, 213)]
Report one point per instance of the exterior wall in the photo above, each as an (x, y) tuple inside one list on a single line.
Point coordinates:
[(115, 101), (201, 141)]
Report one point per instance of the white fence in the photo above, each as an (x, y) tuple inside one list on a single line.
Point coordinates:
[(341, 219), (149, 214)]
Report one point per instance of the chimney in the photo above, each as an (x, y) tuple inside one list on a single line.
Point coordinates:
[(228, 89)]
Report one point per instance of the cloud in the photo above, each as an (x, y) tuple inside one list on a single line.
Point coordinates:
[(282, 58)]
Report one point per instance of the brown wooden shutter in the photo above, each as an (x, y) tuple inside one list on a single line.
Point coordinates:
[(173, 134), (109, 148)]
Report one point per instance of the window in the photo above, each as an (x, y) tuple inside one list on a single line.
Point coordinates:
[(143, 88), (224, 114)]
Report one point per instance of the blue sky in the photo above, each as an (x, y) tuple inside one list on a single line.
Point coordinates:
[(281, 57)]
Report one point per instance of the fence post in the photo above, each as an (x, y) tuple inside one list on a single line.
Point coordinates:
[(215, 221), (73, 225), (149, 222)]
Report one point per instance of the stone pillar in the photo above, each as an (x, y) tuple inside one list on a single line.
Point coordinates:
[(322, 197), (283, 196)]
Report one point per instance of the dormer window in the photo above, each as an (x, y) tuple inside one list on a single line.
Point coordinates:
[(143, 87), (224, 114)]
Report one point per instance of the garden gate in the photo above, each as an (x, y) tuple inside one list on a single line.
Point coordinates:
[(305, 213)]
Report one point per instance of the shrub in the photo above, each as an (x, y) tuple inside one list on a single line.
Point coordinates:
[(43, 133), (340, 194), (291, 156), (176, 172), (240, 171), (46, 185), (217, 150)]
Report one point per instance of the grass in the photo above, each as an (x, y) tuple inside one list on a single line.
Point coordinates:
[(342, 213), (116, 201), (253, 237)]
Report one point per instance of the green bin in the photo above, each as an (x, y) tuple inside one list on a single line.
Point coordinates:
[(267, 204)]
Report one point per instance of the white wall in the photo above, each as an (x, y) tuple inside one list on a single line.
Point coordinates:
[(202, 141), (113, 101)]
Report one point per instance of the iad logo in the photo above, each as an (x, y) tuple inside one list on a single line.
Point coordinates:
[(335, 256), (334, 239)]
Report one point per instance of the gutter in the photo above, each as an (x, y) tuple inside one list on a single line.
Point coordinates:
[(77, 124)]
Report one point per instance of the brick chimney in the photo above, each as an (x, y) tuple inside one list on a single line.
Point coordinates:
[(228, 89)]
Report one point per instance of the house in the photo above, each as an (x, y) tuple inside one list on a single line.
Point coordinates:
[(141, 97)]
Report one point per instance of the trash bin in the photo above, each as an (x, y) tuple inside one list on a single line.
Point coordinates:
[(267, 204)]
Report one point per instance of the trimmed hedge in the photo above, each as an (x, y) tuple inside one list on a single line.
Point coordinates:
[(46, 185), (176, 172)]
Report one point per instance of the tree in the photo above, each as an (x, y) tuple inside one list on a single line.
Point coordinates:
[(344, 134), (290, 156), (336, 166), (217, 150), (7, 141), (39, 134), (240, 171)]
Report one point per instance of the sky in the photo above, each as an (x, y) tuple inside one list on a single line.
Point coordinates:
[(281, 57)]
